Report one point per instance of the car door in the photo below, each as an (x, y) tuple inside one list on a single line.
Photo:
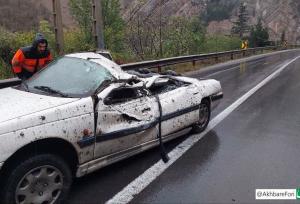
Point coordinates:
[(126, 120), (180, 106)]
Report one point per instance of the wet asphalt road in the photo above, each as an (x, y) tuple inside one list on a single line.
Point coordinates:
[(256, 146)]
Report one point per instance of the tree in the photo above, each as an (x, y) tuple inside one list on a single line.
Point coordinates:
[(82, 12), (154, 38), (114, 26), (184, 37), (259, 36), (241, 26), (143, 36), (218, 10)]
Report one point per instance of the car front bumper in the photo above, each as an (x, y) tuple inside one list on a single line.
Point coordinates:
[(216, 99)]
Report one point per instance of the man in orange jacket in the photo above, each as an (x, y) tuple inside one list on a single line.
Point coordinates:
[(28, 60)]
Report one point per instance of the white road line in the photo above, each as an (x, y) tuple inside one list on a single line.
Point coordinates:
[(141, 182)]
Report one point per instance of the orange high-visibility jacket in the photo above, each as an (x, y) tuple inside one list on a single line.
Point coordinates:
[(28, 60)]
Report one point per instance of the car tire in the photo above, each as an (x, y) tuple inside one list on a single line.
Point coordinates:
[(44, 178), (204, 117)]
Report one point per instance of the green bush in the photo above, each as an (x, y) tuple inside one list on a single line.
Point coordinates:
[(6, 41), (74, 41), (184, 37), (9, 44), (218, 10), (5, 70), (219, 43)]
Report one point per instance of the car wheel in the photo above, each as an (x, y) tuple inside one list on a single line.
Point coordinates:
[(204, 117), (44, 179)]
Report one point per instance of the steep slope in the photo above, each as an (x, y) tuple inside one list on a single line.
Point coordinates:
[(19, 15), (68, 20), (146, 9), (277, 15), (16, 15)]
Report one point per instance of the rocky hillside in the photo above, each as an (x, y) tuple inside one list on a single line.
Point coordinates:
[(132, 8), (68, 20), (16, 15), (277, 15)]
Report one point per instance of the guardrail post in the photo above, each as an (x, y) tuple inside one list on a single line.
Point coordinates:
[(244, 53), (231, 56), (159, 69), (216, 58), (194, 63)]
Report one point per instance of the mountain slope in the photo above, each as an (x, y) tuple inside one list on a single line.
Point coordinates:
[(16, 15), (277, 15)]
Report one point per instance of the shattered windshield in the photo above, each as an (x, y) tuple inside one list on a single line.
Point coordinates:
[(69, 76)]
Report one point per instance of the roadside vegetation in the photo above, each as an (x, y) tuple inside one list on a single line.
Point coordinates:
[(140, 38)]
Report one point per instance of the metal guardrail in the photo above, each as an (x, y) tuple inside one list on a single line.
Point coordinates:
[(157, 64), (9, 82), (193, 58)]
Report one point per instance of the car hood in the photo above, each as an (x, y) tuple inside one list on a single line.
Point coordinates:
[(16, 103)]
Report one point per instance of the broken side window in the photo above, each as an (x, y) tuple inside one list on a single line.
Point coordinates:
[(124, 94), (163, 85)]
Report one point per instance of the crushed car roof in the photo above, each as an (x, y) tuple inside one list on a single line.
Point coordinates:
[(111, 66)]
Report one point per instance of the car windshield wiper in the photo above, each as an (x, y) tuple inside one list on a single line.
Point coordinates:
[(50, 90), (25, 85), (104, 83)]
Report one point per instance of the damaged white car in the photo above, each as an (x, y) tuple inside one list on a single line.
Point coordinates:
[(82, 113)]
